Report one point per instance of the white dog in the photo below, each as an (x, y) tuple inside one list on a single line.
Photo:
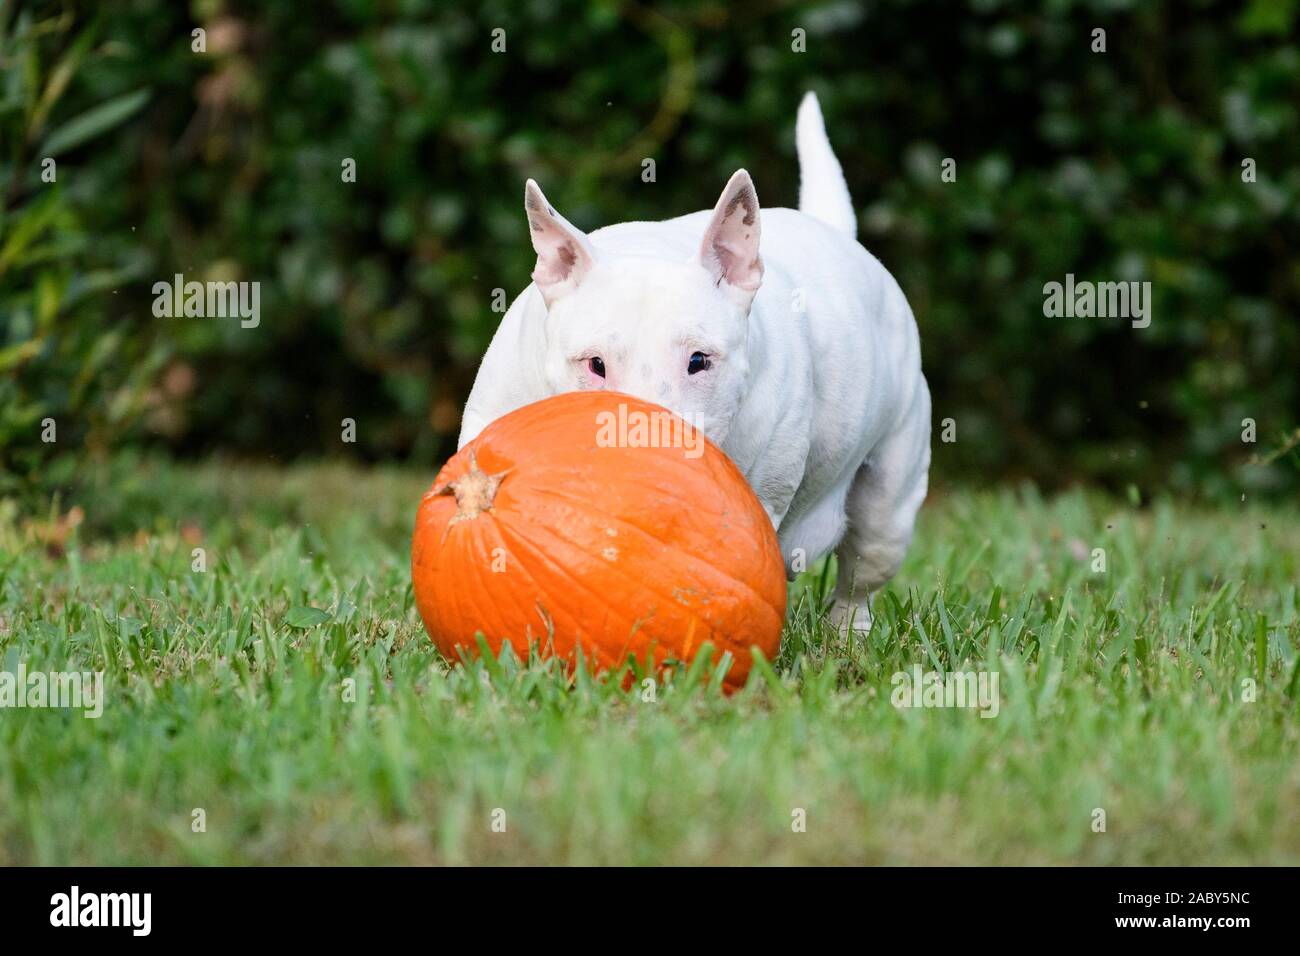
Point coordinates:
[(798, 356)]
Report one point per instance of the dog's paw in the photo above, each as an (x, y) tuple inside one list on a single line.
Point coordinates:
[(852, 616)]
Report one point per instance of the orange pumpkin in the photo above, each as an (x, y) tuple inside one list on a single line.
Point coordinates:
[(597, 521)]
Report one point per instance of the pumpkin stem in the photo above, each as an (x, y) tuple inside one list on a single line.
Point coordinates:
[(474, 491)]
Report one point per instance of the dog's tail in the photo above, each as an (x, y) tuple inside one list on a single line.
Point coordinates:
[(823, 193)]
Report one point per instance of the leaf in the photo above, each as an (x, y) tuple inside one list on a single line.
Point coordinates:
[(1261, 647), (15, 355), (95, 121), (32, 223), (49, 295), (1269, 17), (60, 77), (304, 617)]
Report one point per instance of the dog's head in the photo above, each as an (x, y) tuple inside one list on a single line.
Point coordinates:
[(670, 332)]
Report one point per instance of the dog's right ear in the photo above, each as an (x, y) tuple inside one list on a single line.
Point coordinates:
[(564, 254), (730, 248)]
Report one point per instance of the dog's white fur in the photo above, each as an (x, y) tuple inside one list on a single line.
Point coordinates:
[(814, 385)]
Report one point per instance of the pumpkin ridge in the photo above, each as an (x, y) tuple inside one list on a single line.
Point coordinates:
[(476, 593), (710, 568), (458, 597), (544, 555), (696, 559), (589, 506), (502, 528), (635, 626), (633, 483), (655, 484), (464, 604), (668, 599)]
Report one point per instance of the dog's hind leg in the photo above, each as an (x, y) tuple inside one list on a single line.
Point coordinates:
[(881, 507)]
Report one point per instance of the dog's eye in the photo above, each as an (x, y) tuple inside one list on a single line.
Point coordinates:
[(597, 365), (699, 363)]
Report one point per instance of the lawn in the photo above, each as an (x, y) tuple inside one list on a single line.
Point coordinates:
[(1161, 690)]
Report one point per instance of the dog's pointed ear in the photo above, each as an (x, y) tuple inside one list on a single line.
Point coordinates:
[(730, 248), (564, 254)]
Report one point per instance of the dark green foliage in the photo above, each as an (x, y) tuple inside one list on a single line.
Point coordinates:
[(74, 369), (376, 295)]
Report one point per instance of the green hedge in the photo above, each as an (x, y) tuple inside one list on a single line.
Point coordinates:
[(376, 295)]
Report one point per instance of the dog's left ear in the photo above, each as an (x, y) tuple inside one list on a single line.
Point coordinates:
[(730, 248)]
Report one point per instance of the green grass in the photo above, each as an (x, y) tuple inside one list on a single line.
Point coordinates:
[(1119, 690)]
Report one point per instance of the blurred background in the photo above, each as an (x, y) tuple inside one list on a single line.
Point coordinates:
[(376, 295)]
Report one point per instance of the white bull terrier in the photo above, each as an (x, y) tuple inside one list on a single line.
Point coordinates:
[(798, 356)]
